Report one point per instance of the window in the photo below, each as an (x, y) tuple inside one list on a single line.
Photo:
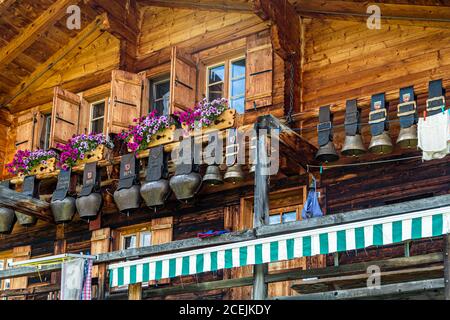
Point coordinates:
[(45, 135), (227, 80), (135, 238), (284, 215), (160, 95), (98, 116), (5, 284)]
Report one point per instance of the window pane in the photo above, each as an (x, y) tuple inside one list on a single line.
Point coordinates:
[(274, 219), (215, 91), (159, 95), (289, 216), (238, 104), (237, 87), (98, 110), (146, 239), (97, 126), (216, 74), (129, 242), (238, 68), (161, 89)]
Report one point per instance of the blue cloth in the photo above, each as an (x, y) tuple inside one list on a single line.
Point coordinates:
[(211, 233), (311, 209)]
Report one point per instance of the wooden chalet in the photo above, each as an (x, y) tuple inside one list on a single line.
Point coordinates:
[(277, 62)]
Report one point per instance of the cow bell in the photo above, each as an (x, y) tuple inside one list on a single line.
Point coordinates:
[(381, 144), (89, 200), (187, 181), (155, 193), (63, 210), (127, 195), (25, 220), (353, 146), (31, 188), (407, 137), (63, 207), (6, 220), (213, 177), (234, 174), (327, 153)]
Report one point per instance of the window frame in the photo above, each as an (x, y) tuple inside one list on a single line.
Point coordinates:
[(91, 114), (230, 79), (136, 231), (152, 82), (212, 66)]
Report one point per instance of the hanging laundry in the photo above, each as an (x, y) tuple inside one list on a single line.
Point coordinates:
[(434, 136), (72, 279), (312, 209), (211, 233), (86, 294)]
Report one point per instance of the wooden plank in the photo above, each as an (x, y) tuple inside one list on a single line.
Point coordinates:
[(389, 289), (29, 291), (360, 280), (26, 204), (135, 291), (4, 5), (210, 5), (33, 31)]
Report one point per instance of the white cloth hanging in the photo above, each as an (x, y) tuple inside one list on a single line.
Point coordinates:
[(434, 136), (72, 279)]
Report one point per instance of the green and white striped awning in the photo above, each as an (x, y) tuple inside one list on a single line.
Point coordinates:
[(351, 236)]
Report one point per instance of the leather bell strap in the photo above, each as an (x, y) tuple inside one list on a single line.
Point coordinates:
[(232, 147), (187, 161), (378, 114), (436, 97), (407, 107), (90, 180), (352, 118), (324, 128), (63, 185), (30, 186), (129, 166), (157, 164)]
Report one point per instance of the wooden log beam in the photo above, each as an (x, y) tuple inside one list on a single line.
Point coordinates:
[(210, 5), (289, 275), (33, 31), (25, 204), (44, 71), (29, 291), (4, 5), (364, 293)]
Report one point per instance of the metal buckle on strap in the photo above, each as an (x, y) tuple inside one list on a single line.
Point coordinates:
[(431, 100), (374, 112), (324, 126), (406, 113)]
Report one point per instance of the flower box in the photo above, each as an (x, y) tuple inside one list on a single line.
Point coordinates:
[(92, 156), (224, 121), (42, 168), (164, 137)]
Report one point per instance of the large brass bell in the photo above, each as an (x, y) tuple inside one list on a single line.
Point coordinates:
[(155, 190), (63, 210), (327, 153), (213, 176), (89, 206), (30, 187), (234, 174), (185, 186), (381, 144), (128, 200), (6, 220), (407, 137), (353, 146), (127, 196), (25, 220)]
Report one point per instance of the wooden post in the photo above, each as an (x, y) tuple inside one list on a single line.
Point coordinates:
[(261, 208), (135, 291), (447, 266)]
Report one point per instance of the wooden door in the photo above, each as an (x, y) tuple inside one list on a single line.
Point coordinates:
[(259, 71), (126, 100), (183, 79), (66, 121)]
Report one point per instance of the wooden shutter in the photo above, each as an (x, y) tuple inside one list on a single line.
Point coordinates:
[(20, 254), (183, 79), (162, 230), (259, 71), (100, 242), (27, 130), (66, 112), (126, 100)]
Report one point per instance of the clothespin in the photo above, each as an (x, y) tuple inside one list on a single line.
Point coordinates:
[(321, 169), (443, 109), (424, 115)]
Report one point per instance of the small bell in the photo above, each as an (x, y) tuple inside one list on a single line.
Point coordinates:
[(381, 144), (234, 174), (353, 146), (6, 220), (213, 176), (327, 153), (407, 137)]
